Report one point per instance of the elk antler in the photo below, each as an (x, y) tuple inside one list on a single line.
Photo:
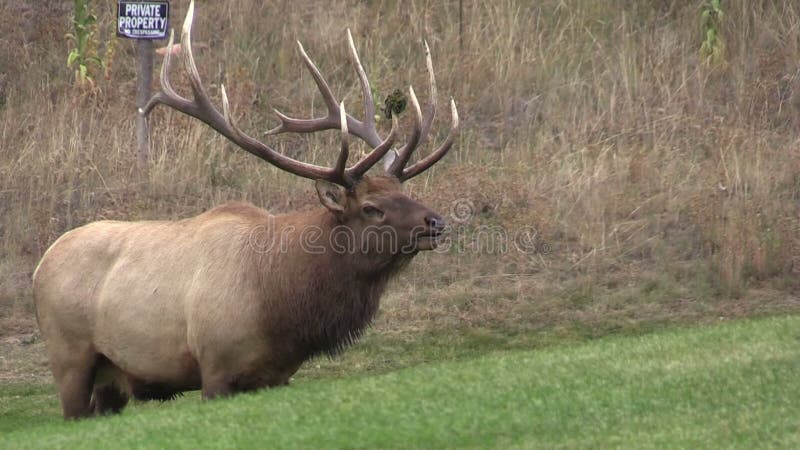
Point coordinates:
[(366, 130), (202, 108)]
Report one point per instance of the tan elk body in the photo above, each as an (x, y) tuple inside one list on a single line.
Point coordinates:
[(234, 299)]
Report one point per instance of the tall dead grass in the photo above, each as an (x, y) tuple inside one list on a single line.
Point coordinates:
[(596, 124)]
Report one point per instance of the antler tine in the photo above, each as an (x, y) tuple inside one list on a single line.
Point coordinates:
[(331, 121), (203, 109), (361, 167), (365, 130), (198, 90), (430, 113), (396, 168), (324, 88), (421, 126), (341, 162), (421, 130), (226, 112), (168, 94), (423, 164), (366, 91)]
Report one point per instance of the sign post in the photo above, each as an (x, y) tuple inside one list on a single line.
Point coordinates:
[(144, 80), (144, 21)]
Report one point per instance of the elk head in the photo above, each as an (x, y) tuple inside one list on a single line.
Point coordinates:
[(373, 207)]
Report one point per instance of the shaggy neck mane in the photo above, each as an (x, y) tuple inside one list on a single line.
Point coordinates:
[(332, 299)]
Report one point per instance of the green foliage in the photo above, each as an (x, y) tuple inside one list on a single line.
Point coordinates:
[(712, 50), (395, 103), (83, 57), (728, 386)]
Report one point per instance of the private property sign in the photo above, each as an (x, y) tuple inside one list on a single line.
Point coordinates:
[(142, 20)]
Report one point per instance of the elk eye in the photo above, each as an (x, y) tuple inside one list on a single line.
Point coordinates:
[(372, 211)]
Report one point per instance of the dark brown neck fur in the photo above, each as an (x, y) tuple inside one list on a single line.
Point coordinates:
[(328, 300)]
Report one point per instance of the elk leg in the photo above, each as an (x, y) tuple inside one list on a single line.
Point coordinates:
[(217, 388), (229, 385), (75, 379), (108, 396), (108, 399)]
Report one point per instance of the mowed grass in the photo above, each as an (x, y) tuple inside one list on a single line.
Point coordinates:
[(731, 385)]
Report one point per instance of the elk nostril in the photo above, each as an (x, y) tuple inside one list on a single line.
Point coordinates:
[(435, 222)]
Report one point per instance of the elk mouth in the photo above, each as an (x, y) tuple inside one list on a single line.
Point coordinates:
[(429, 240)]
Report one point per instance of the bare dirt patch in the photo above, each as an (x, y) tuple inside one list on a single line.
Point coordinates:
[(23, 360)]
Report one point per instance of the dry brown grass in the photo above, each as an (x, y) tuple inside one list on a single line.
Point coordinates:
[(660, 189)]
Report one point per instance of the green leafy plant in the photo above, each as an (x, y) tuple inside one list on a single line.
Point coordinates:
[(395, 103), (712, 50), (83, 57)]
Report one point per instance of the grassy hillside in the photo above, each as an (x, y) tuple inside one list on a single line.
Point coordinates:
[(628, 180), (726, 386)]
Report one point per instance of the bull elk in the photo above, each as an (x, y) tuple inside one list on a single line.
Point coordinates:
[(154, 308)]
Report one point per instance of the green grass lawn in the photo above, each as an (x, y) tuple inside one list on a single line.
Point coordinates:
[(732, 385)]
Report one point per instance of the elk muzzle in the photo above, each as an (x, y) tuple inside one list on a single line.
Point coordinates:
[(428, 237)]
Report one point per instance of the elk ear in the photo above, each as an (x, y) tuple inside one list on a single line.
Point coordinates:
[(331, 195)]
